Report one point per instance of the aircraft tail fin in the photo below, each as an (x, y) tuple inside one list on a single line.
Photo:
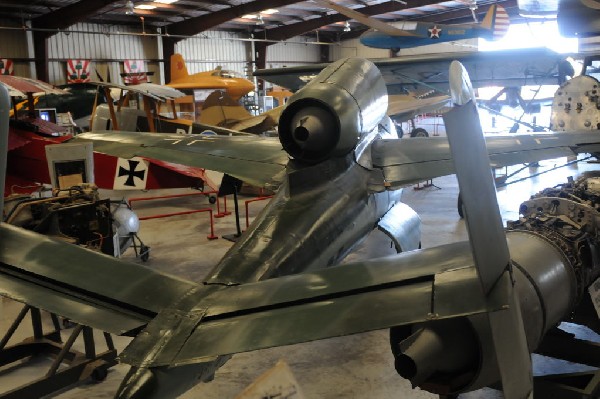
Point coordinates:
[(496, 20), (178, 68), (484, 224)]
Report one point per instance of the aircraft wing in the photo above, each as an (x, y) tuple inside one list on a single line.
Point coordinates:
[(18, 86), (410, 161), (265, 121), (404, 107), (87, 287), (505, 68), (341, 300), (255, 160), (122, 298), (154, 91)]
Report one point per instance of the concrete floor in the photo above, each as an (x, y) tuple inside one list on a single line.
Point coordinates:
[(359, 366)]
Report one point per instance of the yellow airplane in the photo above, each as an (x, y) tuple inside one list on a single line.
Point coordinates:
[(220, 110), (218, 79)]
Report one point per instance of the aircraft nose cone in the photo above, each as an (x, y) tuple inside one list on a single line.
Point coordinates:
[(138, 383)]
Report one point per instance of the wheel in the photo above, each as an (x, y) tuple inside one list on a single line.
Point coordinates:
[(212, 199), (144, 253), (99, 374), (419, 132), (459, 206), (399, 130), (66, 323)]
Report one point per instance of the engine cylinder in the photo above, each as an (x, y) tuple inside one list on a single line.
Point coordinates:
[(333, 111), (546, 287)]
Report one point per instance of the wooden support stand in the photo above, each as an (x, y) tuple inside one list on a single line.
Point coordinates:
[(79, 366)]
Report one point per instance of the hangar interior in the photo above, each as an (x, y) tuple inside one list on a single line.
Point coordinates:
[(183, 221)]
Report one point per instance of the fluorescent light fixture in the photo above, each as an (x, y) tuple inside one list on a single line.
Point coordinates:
[(165, 1), (250, 16), (145, 7), (347, 26), (270, 11)]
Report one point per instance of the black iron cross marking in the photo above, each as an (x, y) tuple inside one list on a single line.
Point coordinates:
[(131, 173)]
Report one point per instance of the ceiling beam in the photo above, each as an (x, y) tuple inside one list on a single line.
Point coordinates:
[(456, 15), (292, 30), (71, 14), (195, 25), (289, 31)]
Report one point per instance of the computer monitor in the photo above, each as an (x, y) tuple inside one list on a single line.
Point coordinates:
[(70, 164), (47, 114)]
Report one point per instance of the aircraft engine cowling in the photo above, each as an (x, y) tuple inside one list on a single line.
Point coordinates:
[(456, 355), (328, 117), (554, 247)]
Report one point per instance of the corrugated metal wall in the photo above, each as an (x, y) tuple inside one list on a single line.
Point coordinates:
[(210, 49), (297, 51), (107, 46), (203, 53), (13, 45)]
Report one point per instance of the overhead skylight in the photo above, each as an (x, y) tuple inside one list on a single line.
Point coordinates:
[(533, 34)]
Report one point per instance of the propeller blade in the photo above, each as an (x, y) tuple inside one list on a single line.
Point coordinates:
[(486, 234)]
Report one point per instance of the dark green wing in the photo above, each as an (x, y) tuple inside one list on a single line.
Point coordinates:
[(493, 68), (414, 286), (87, 287)]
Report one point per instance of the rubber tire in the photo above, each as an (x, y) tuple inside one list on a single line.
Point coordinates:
[(99, 374), (145, 253), (212, 199), (459, 207), (419, 132)]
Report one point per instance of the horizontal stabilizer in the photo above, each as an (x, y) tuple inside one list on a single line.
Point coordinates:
[(87, 287), (352, 298), (410, 161), (255, 160)]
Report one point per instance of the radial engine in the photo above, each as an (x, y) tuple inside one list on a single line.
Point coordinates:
[(78, 215)]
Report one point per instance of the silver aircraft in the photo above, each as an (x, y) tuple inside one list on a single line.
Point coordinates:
[(338, 175)]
